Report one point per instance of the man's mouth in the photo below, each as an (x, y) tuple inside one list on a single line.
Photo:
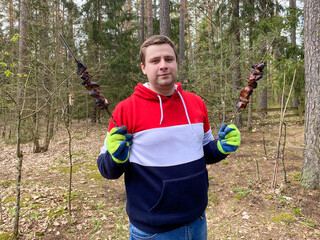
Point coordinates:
[(164, 75)]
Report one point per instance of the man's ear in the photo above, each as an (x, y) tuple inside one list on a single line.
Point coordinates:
[(143, 68)]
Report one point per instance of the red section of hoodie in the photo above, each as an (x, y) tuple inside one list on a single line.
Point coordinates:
[(142, 110)]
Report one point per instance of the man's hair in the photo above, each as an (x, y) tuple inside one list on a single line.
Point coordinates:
[(155, 40)]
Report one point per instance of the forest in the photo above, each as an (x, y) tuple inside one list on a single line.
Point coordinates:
[(51, 130)]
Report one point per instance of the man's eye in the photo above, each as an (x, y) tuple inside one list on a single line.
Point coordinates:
[(169, 60), (155, 61)]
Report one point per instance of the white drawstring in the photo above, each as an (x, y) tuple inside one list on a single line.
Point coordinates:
[(184, 106), (161, 119), (185, 110)]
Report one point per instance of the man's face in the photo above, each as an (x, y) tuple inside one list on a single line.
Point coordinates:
[(161, 68)]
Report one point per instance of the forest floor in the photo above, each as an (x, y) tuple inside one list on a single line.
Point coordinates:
[(240, 205)]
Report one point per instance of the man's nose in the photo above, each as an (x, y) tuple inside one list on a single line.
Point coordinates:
[(163, 64)]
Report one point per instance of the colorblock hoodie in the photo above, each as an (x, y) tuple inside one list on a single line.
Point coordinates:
[(165, 177)]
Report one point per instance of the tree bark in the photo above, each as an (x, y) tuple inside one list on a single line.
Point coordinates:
[(293, 6), (311, 161), (251, 24), (222, 86), (165, 17), (182, 41), (11, 19), (267, 11), (211, 8), (263, 98), (97, 52), (142, 21), (130, 11), (293, 30), (236, 71), (125, 12), (22, 66), (149, 19), (49, 84)]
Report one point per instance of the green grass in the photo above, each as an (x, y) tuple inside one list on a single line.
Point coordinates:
[(6, 236), (92, 167), (241, 193), (285, 217), (81, 153), (297, 177), (95, 176), (54, 213), (296, 211), (6, 183), (75, 168), (309, 222), (79, 137), (9, 199), (213, 198)]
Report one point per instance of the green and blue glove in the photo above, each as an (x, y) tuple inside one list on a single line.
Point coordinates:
[(118, 143), (229, 138)]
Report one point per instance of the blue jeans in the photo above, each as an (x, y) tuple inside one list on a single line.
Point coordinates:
[(196, 230)]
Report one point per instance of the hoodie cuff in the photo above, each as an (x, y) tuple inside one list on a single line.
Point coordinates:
[(212, 153)]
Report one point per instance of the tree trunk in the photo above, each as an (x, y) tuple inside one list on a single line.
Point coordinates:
[(236, 71), (263, 94), (293, 8), (1, 215), (296, 101), (19, 174), (142, 21), (311, 161), (165, 17), (293, 30), (22, 66), (211, 43), (263, 91), (182, 41), (235, 31), (251, 24), (68, 122), (49, 85), (35, 118), (11, 18), (5, 120), (95, 116), (191, 57), (263, 99), (70, 20), (125, 12), (222, 86), (97, 52), (266, 12), (149, 19), (130, 11)]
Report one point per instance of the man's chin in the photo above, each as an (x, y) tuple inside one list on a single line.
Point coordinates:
[(166, 80), (166, 83)]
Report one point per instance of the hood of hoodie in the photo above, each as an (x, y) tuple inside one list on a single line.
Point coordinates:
[(143, 91)]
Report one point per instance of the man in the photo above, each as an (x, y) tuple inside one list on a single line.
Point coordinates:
[(163, 147)]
